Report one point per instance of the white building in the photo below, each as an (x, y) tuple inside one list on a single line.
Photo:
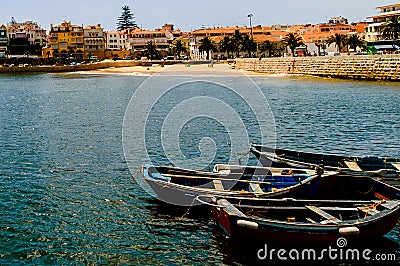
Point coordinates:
[(116, 40), (27, 30), (338, 20), (374, 30), (94, 38)]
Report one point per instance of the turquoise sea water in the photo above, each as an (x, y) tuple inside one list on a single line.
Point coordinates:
[(67, 196)]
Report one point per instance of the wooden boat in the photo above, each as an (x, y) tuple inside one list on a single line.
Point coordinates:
[(361, 166), (181, 186), (304, 222)]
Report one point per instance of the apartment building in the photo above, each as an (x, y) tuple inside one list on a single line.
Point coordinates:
[(374, 30), (3, 39), (116, 40), (94, 38), (66, 40)]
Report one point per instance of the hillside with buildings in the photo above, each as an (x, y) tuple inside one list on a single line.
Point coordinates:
[(79, 42)]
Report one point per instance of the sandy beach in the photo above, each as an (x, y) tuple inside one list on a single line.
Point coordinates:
[(178, 69)]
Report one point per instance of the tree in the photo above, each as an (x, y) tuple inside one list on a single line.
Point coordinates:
[(27, 53), (89, 55), (7, 53), (293, 41), (339, 40), (320, 45), (70, 53), (266, 46), (236, 42), (248, 44), (178, 48), (391, 28), (151, 50), (278, 48), (225, 45), (207, 45), (355, 41), (126, 20)]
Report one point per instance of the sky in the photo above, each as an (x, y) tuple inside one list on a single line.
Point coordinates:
[(188, 15)]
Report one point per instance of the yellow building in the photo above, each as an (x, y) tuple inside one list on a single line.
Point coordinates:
[(66, 40)]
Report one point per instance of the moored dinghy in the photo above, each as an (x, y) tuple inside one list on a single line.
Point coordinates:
[(304, 222), (181, 186), (359, 166)]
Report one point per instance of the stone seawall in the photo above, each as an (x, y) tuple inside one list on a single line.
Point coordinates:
[(371, 67), (83, 67)]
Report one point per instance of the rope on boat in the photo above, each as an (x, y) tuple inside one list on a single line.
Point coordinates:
[(366, 192), (206, 202), (138, 172), (372, 207), (243, 155), (188, 210), (197, 198)]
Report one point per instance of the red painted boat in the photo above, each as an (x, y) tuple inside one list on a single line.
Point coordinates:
[(305, 222)]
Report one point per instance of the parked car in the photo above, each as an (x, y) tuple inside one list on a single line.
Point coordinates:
[(333, 54)]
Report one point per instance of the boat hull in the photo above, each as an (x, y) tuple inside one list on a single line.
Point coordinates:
[(364, 166), (186, 196), (303, 234)]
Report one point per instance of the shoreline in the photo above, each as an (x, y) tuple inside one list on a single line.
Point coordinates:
[(366, 68)]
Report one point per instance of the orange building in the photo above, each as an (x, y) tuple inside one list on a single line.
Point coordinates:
[(137, 39), (260, 34), (66, 40)]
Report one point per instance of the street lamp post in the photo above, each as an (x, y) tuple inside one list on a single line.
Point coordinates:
[(251, 27)]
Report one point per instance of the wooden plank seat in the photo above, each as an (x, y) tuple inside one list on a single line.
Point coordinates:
[(218, 184), (353, 166), (327, 216), (256, 188), (396, 165)]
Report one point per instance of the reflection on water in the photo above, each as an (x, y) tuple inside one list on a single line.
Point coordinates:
[(67, 197)]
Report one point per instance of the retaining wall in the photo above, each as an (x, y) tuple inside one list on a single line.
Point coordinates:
[(372, 67), (83, 67)]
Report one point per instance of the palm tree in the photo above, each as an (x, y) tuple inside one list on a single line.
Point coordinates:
[(151, 50), (293, 40), (320, 45), (391, 28), (207, 45), (236, 42), (248, 44), (266, 46), (178, 48), (339, 40), (355, 41), (225, 45)]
